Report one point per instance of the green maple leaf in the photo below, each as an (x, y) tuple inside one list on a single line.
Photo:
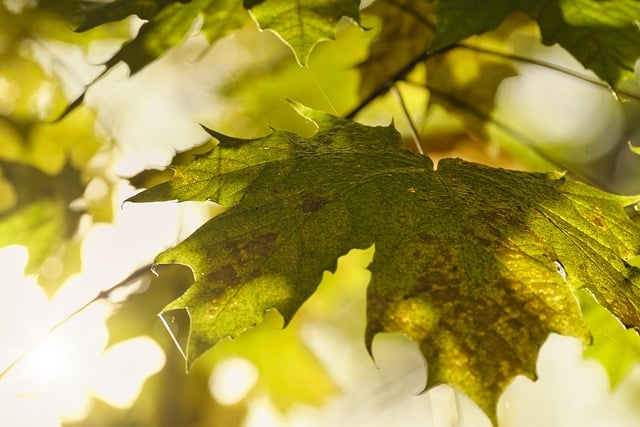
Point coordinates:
[(602, 35), (302, 23), (477, 265)]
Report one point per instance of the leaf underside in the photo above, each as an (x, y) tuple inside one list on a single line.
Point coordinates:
[(477, 265)]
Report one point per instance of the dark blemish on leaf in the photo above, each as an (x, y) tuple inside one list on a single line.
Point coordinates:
[(598, 222), (226, 274), (256, 247), (261, 245), (313, 203)]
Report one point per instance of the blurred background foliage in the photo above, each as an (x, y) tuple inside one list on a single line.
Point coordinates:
[(63, 182)]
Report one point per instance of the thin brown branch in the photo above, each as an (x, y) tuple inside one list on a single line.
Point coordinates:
[(412, 126)]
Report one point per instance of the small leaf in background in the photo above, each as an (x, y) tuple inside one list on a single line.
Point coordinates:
[(302, 24), (169, 23), (477, 265), (40, 218), (280, 356), (603, 36)]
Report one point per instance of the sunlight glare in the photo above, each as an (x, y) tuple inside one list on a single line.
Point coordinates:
[(134, 360), (232, 379)]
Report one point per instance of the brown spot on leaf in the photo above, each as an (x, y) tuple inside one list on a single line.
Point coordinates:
[(313, 203), (258, 246), (262, 244), (226, 274)]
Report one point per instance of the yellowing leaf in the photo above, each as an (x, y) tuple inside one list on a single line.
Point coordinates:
[(477, 265)]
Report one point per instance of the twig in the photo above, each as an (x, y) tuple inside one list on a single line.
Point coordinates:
[(412, 126), (553, 67)]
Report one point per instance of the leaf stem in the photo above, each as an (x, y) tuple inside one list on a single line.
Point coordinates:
[(103, 295), (412, 126)]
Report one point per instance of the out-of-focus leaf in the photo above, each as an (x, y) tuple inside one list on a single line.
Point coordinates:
[(279, 356), (102, 13), (50, 20), (465, 82), (615, 346), (256, 92), (40, 219), (602, 35), (169, 23), (302, 24), (43, 162), (478, 265), (30, 98), (407, 30)]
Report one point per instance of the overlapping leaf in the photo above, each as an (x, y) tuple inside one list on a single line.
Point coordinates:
[(300, 24), (169, 23), (407, 30), (478, 265), (465, 83), (602, 35)]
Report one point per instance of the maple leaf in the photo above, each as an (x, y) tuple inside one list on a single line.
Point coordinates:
[(602, 35), (477, 265), (302, 24)]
